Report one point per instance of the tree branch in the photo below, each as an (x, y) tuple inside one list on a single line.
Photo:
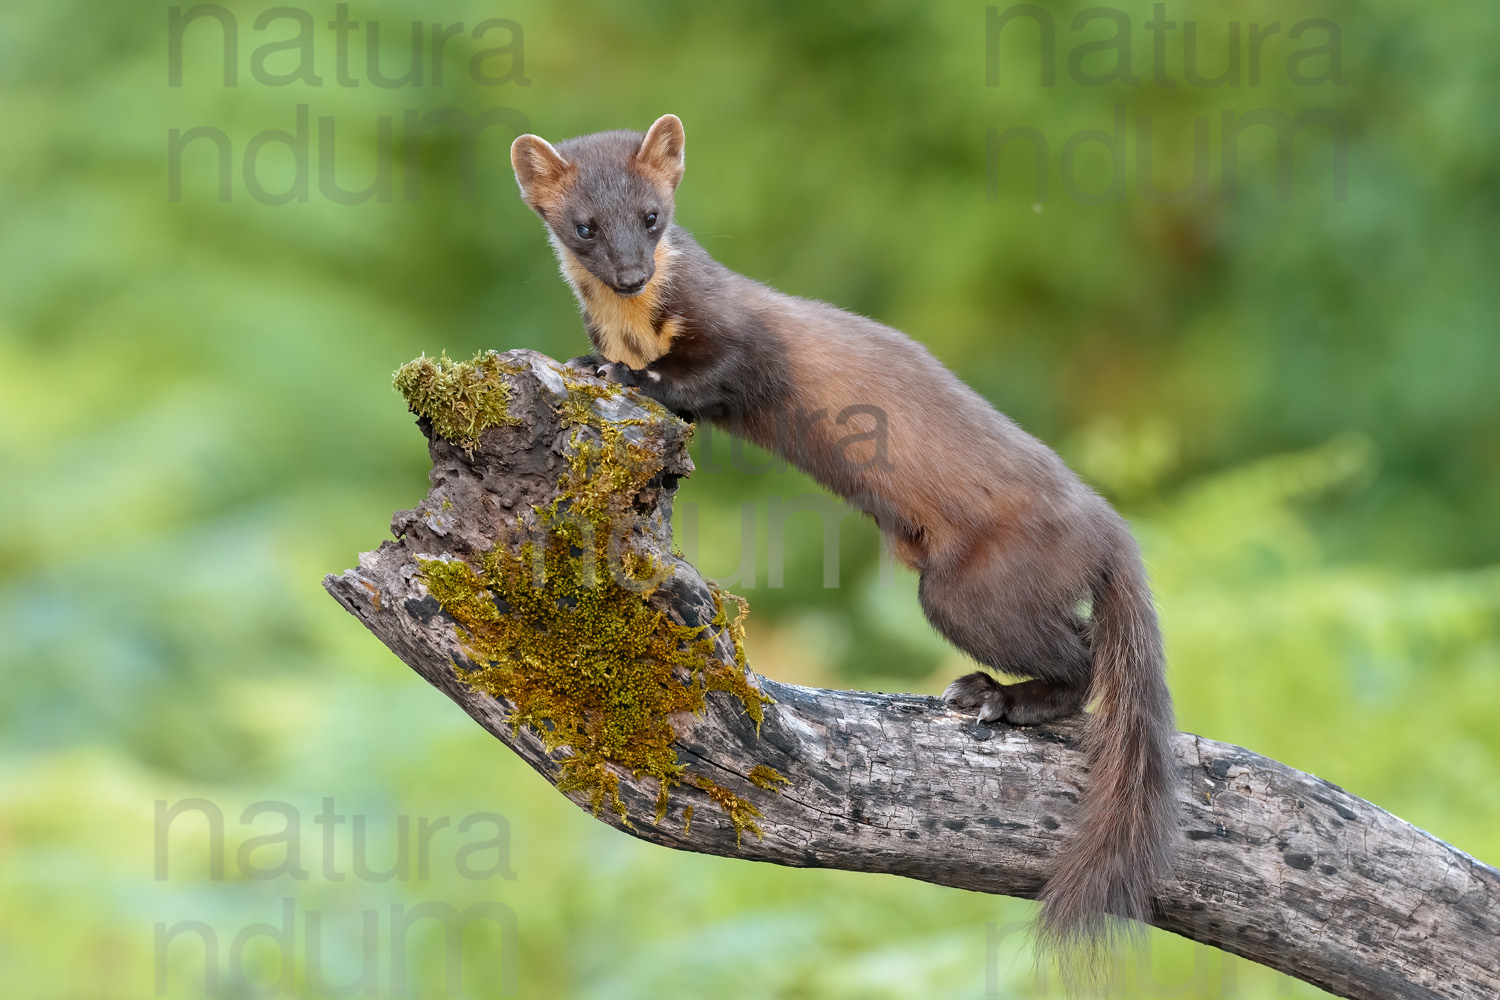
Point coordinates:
[(1275, 865)]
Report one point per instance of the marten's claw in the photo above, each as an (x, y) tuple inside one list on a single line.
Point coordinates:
[(977, 691)]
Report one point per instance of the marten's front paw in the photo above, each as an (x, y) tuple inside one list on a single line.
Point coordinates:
[(978, 691), (618, 373)]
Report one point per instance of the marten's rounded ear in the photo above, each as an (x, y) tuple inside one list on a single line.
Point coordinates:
[(660, 155), (540, 169)]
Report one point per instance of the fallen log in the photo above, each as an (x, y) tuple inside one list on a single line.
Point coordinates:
[(536, 585)]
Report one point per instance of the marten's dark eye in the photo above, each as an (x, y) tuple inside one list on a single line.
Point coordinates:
[(585, 231), (650, 220)]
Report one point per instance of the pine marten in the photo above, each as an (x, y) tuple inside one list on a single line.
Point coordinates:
[(1022, 566)]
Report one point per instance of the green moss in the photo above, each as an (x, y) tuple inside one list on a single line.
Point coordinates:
[(765, 777), (605, 469), (741, 811), (578, 408), (460, 398), (561, 628)]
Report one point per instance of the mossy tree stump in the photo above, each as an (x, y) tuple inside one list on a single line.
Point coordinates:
[(537, 587)]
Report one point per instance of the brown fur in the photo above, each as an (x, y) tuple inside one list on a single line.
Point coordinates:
[(631, 330), (548, 176), (660, 153), (1010, 544)]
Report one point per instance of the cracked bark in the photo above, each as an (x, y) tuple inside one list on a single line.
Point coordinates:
[(1275, 865)]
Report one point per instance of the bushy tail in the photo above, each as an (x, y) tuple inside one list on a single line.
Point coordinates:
[(1121, 850)]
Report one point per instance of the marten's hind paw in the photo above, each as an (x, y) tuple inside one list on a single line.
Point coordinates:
[(978, 691)]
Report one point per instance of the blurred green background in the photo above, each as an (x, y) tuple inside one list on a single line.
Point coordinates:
[(1293, 398)]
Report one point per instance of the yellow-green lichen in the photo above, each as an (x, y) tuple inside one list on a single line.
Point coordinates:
[(560, 626), (460, 398)]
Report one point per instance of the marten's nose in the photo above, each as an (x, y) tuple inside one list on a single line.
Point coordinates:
[(631, 282)]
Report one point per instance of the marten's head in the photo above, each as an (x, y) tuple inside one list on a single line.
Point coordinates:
[(606, 198)]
